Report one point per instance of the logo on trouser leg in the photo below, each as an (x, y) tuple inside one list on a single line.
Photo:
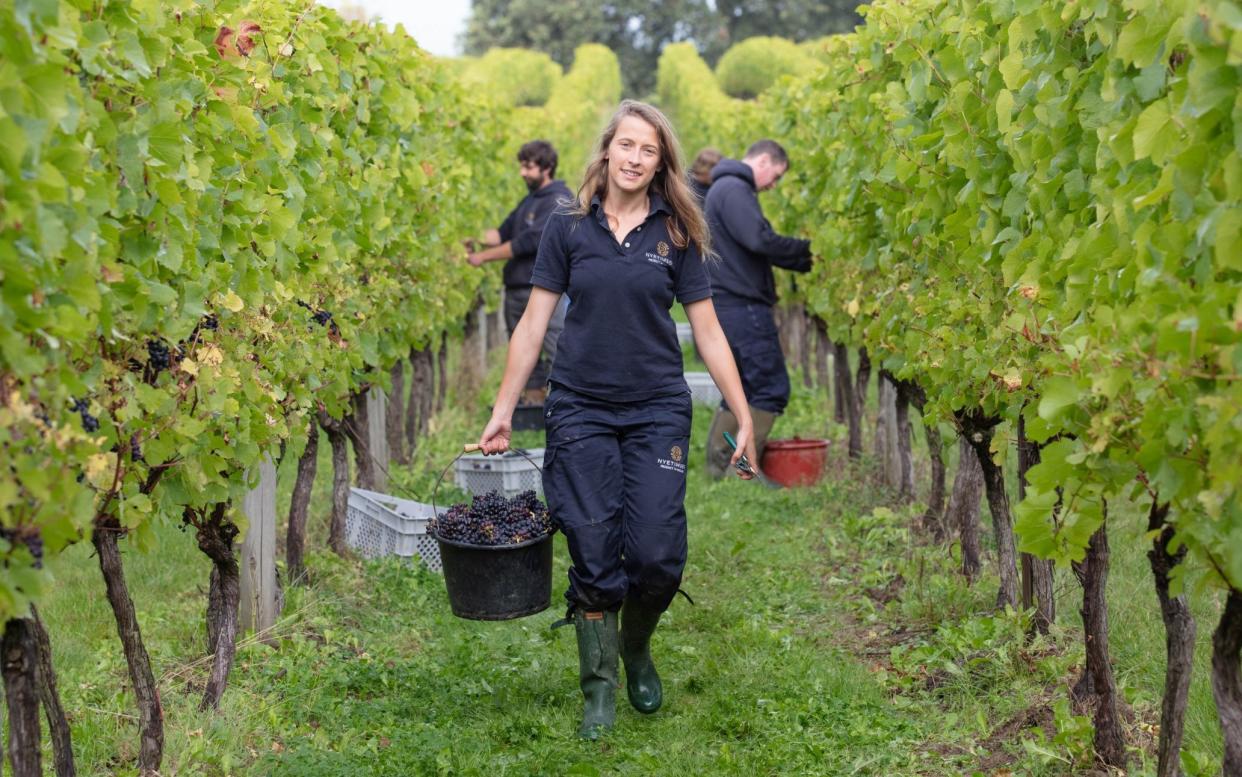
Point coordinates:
[(674, 463)]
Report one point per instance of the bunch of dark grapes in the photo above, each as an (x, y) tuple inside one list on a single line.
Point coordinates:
[(158, 357), (321, 317), (32, 539), (491, 519), (34, 542), (83, 408)]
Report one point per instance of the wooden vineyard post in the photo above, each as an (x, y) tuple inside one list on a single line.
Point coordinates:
[(260, 601), (480, 314), (377, 436), (496, 334)]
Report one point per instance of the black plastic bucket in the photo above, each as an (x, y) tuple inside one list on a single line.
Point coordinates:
[(497, 582)]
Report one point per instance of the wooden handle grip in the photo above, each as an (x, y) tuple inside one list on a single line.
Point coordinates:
[(471, 447)]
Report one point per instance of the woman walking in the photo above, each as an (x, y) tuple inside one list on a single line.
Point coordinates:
[(619, 411)]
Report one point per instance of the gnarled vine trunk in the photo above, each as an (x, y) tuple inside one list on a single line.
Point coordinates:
[(845, 390), (57, 722), (1036, 572), (19, 664), (340, 481), (356, 426), (1097, 683), (1227, 681), (216, 535), (905, 452), (1179, 642), (861, 381), (413, 403), (823, 354), (978, 429), (299, 507), (933, 519), (146, 693), (962, 514)]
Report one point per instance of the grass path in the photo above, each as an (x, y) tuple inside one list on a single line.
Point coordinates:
[(822, 642)]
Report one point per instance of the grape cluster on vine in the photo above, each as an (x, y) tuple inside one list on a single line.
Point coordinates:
[(158, 356), (29, 536), (83, 408), (491, 519), (321, 317)]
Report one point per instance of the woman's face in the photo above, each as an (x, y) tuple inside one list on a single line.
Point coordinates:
[(633, 155)]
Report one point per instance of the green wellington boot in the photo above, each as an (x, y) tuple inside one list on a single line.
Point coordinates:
[(597, 670), (718, 451), (642, 683)]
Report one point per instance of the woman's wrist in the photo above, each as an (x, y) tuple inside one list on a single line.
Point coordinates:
[(503, 409)]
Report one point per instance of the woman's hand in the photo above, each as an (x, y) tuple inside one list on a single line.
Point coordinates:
[(496, 435), (745, 445), (710, 340)]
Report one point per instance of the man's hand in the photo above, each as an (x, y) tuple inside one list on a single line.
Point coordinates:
[(471, 244), (490, 254)]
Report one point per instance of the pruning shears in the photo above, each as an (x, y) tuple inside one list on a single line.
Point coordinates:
[(743, 464)]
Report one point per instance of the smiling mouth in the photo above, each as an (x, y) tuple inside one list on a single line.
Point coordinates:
[(631, 173)]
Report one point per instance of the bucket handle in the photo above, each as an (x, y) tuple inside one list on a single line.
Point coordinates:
[(470, 447)]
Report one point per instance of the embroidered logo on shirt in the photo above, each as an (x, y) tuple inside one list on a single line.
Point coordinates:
[(675, 452), (660, 257)]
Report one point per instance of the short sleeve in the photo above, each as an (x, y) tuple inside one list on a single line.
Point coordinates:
[(552, 261), (692, 283)]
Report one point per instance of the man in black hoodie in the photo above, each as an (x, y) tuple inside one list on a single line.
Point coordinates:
[(744, 291), (517, 242)]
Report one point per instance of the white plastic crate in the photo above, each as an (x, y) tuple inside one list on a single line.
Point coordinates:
[(703, 388), (381, 525), (510, 473), (684, 333)]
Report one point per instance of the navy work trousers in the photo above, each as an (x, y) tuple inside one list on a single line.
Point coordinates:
[(751, 332), (614, 476)]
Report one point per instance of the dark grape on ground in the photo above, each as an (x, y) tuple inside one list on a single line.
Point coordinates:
[(492, 519)]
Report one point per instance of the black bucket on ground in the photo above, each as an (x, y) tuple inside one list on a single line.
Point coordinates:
[(497, 582)]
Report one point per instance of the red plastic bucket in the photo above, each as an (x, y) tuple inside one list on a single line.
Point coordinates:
[(794, 462)]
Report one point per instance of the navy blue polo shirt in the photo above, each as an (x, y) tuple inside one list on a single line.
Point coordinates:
[(620, 342)]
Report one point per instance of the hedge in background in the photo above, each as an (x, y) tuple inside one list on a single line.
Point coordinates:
[(749, 68), (513, 77)]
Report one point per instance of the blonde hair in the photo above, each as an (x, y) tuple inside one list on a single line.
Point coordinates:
[(687, 224)]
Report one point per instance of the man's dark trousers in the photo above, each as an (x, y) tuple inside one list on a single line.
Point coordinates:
[(755, 342), (516, 298)]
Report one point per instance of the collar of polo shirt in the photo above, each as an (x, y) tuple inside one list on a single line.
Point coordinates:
[(656, 205)]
